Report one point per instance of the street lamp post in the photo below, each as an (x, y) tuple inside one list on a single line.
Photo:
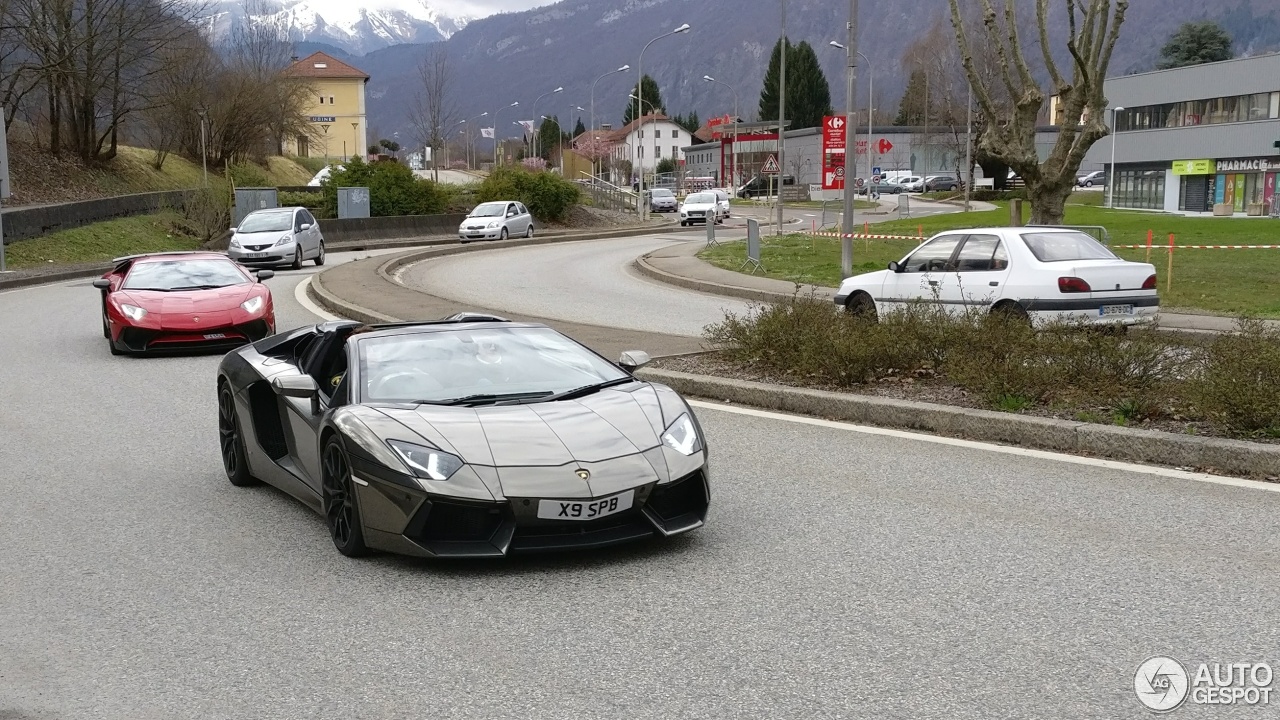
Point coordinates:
[(534, 131), (640, 97), (496, 140), (1111, 181), (870, 114), (624, 68), (579, 108), (471, 149), (653, 108), (850, 146), (968, 149), (734, 177)]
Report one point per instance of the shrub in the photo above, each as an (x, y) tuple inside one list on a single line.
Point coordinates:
[(1238, 383), (393, 189), (988, 195), (303, 199), (206, 216), (249, 175), (547, 195), (534, 164)]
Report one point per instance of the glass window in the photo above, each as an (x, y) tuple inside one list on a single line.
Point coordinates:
[(446, 365), (1065, 246), (170, 275), (657, 133), (978, 253), (268, 221), (934, 256)]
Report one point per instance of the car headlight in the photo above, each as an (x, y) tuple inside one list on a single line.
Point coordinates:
[(252, 305), (682, 437), (234, 243), (285, 239), (133, 312), (426, 462), (494, 224)]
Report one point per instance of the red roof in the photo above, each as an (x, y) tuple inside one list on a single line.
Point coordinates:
[(322, 65)]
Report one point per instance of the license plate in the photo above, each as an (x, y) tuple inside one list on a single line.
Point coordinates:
[(215, 336), (585, 509), (255, 255), (1106, 310)]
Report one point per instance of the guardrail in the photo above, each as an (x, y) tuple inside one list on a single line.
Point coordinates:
[(608, 196)]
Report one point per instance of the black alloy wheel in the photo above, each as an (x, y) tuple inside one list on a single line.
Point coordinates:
[(234, 461), (340, 510)]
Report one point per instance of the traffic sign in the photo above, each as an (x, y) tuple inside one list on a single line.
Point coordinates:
[(840, 172), (876, 170), (875, 179), (858, 182), (770, 166)]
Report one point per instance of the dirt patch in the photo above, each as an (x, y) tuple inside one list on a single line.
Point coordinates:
[(39, 177), (582, 217), (924, 388)]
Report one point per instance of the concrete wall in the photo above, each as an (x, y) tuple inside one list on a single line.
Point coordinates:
[(384, 228), (24, 223)]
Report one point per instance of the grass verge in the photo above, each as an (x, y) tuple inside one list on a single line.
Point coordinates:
[(100, 242), (1228, 385)]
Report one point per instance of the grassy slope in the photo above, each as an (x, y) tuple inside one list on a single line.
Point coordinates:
[(101, 242), (1218, 281)]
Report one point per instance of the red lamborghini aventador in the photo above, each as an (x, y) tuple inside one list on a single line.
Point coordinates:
[(183, 301)]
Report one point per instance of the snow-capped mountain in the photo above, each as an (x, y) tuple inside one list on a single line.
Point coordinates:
[(357, 27)]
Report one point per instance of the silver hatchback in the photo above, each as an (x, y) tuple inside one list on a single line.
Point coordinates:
[(496, 221), (277, 236)]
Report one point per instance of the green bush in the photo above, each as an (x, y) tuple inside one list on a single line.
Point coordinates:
[(987, 195), (547, 195), (393, 189), (1238, 385), (308, 200), (249, 175)]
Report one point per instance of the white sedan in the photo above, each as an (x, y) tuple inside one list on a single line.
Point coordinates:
[(1039, 273)]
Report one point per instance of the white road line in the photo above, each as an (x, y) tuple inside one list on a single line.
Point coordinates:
[(300, 294), (991, 447)]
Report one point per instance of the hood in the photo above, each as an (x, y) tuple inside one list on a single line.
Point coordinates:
[(699, 206), (188, 301), (260, 238), (866, 280)]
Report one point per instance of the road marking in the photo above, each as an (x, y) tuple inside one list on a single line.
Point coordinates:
[(991, 447), (300, 294)]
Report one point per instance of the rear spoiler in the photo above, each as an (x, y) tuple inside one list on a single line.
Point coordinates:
[(153, 254)]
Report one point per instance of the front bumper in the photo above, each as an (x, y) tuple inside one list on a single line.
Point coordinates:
[(263, 254), (150, 340), (447, 527)]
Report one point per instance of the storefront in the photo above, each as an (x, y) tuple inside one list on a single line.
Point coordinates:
[(1196, 184), (1246, 185)]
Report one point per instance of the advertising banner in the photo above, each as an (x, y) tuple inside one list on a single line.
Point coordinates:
[(833, 160)]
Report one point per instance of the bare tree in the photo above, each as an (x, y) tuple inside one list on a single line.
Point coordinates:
[(434, 109), (1094, 28)]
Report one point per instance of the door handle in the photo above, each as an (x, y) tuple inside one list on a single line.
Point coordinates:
[(993, 283), (933, 282)]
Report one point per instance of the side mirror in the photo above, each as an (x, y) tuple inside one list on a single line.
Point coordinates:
[(305, 226), (102, 283), (264, 274), (632, 360), (295, 386), (894, 266), (233, 229)]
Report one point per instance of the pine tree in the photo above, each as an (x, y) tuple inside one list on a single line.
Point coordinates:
[(652, 100), (911, 107), (808, 92), (689, 122), (579, 128), (548, 137)]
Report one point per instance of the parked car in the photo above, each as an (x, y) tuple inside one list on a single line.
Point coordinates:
[(1097, 177), (722, 202), (275, 236), (934, 183), (697, 207), (884, 188), (911, 183), (1038, 273), (663, 200), (496, 221), (763, 185)]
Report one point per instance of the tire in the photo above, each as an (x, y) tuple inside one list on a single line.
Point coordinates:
[(529, 233), (106, 326), (502, 235), (320, 255), (341, 508), (1012, 311), (684, 224), (235, 462), (861, 306), (297, 259), (1088, 183)]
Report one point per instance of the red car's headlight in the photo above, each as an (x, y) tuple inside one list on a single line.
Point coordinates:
[(253, 305)]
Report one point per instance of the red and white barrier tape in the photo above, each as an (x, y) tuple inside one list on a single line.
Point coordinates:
[(1158, 246), (864, 236)]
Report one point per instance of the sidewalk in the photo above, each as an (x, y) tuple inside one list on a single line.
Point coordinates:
[(679, 265)]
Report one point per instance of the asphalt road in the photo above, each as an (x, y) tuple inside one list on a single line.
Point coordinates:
[(843, 574), (589, 281)]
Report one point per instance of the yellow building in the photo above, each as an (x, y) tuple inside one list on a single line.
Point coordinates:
[(336, 109)]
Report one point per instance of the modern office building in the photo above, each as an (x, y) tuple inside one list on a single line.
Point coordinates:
[(1195, 139)]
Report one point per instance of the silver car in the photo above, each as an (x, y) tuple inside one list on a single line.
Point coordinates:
[(497, 221), (662, 200), (277, 236)]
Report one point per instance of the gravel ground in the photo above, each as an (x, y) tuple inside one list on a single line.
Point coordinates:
[(921, 387)]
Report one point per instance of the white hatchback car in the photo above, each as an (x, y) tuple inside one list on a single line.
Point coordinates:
[(496, 221), (1041, 273), (699, 206), (275, 236)]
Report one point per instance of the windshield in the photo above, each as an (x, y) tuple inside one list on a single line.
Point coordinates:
[(184, 275), (700, 198), (266, 222), (442, 366), (1063, 246), (489, 210), (662, 192)]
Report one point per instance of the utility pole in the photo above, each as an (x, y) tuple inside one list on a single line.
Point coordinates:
[(782, 111), (968, 150), (850, 142)]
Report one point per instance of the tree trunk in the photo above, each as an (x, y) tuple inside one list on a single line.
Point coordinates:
[(1048, 201)]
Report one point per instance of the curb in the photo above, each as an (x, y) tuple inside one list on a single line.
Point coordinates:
[(53, 277), (1153, 447), (331, 302), (644, 267)]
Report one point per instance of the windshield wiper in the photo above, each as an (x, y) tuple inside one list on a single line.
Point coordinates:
[(487, 398), (588, 389), (197, 287), (151, 289)]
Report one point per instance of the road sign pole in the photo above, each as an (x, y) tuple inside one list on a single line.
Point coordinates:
[(850, 148)]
